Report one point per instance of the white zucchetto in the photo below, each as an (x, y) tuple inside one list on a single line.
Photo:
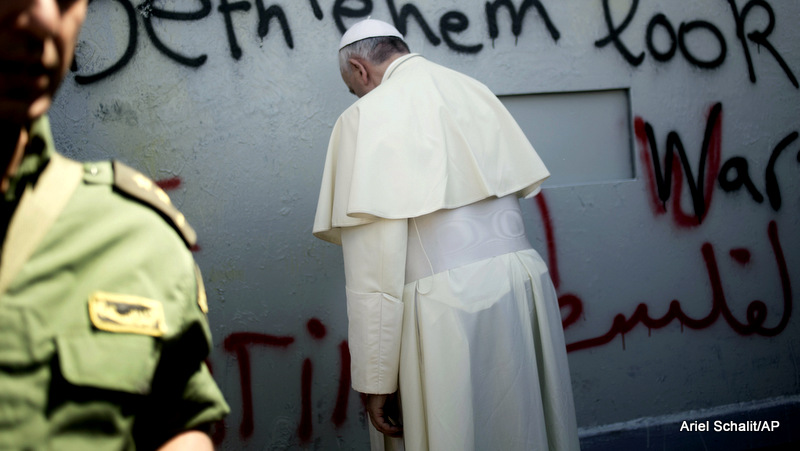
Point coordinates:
[(368, 28)]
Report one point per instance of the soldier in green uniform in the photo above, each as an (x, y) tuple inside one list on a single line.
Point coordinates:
[(103, 331)]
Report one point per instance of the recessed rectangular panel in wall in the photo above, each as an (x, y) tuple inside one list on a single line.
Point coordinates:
[(583, 137)]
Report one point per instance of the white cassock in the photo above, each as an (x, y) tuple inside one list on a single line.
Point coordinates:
[(446, 300)]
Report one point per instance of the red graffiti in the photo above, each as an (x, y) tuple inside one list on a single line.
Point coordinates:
[(701, 187), (575, 306), (305, 430), (741, 255), (239, 343), (343, 392), (552, 258), (756, 315), (316, 328), (756, 310), (568, 301), (170, 183)]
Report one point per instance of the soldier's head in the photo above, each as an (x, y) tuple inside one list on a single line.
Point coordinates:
[(37, 43), (365, 50)]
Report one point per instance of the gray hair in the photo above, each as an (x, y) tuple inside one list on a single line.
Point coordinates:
[(375, 50)]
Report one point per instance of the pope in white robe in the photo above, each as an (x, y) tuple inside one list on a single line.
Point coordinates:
[(449, 308)]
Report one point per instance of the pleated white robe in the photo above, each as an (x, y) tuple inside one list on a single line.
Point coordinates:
[(478, 350)]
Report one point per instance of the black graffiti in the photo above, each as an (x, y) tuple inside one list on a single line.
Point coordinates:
[(316, 9), (739, 167), (265, 16), (735, 174), (759, 37), (340, 11), (226, 9), (615, 34), (662, 21), (456, 22), (679, 40), (451, 22), (676, 40), (517, 17), (684, 30), (450, 25), (732, 175), (401, 20), (130, 50), (148, 10), (696, 184)]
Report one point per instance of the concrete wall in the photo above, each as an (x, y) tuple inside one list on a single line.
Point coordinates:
[(670, 225)]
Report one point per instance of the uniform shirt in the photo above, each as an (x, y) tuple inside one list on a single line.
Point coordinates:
[(103, 333)]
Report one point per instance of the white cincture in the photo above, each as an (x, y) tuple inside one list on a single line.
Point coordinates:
[(447, 239)]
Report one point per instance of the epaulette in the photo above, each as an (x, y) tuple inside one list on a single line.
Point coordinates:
[(138, 186)]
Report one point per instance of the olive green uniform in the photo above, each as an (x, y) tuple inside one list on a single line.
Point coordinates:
[(103, 333)]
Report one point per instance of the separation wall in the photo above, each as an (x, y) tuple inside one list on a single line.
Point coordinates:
[(675, 253)]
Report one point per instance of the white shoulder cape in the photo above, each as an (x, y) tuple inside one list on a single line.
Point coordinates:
[(425, 139)]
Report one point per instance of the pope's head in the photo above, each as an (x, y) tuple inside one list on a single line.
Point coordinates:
[(365, 50), (37, 42)]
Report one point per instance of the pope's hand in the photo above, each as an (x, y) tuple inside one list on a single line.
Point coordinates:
[(383, 413)]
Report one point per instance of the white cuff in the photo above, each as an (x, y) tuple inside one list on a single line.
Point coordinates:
[(375, 326)]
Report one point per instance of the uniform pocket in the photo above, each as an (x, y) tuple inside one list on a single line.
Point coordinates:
[(120, 362)]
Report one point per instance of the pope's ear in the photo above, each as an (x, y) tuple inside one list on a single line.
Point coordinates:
[(359, 70)]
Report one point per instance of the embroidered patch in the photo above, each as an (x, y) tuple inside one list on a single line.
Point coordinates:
[(124, 313)]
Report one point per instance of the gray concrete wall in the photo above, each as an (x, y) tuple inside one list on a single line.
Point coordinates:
[(670, 224)]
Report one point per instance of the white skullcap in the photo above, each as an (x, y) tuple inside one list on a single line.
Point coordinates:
[(368, 28)]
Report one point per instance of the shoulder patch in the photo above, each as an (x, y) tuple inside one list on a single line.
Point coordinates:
[(128, 314), (98, 172), (139, 186), (202, 300)]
